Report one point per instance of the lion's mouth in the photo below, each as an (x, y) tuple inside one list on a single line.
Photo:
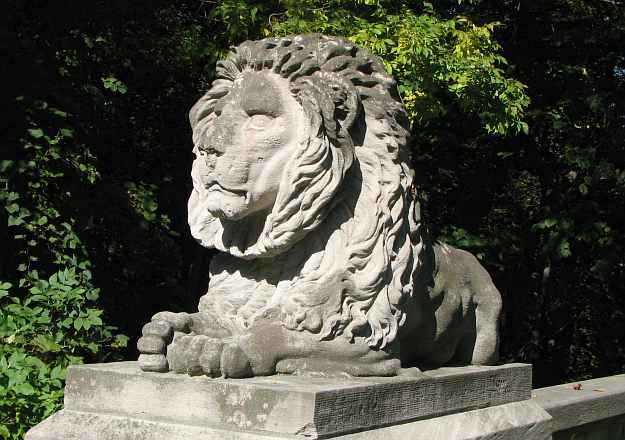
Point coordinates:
[(216, 187)]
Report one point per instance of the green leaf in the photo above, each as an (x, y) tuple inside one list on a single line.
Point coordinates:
[(113, 84), (564, 249), (545, 224), (15, 221), (35, 132), (78, 323), (45, 343), (92, 294), (121, 341), (58, 372), (67, 132), (24, 388), (57, 112)]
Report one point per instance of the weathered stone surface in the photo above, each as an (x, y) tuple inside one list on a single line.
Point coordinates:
[(291, 405), (77, 425), (119, 401), (512, 421), (302, 180), (596, 400)]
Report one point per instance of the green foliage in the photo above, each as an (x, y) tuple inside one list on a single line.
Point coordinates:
[(49, 317), (113, 84), (440, 64), (549, 206), (143, 199), (242, 19), (88, 246)]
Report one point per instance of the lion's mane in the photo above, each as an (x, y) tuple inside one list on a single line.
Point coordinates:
[(360, 132)]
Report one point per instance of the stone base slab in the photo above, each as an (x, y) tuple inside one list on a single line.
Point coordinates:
[(118, 401), (513, 421)]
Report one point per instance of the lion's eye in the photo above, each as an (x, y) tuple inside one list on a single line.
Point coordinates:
[(259, 122)]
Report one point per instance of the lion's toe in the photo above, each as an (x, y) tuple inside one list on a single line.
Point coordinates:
[(177, 353), (151, 344), (193, 353), (161, 329), (153, 362), (234, 362), (179, 322), (210, 359)]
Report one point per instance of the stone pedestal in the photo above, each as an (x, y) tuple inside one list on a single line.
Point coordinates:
[(118, 401)]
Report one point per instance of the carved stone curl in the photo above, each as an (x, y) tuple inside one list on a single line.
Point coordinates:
[(301, 179)]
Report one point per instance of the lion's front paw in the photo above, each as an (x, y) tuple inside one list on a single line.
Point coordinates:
[(195, 355), (157, 334), (199, 354), (231, 357)]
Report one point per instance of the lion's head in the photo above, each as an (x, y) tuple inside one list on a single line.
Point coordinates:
[(287, 123)]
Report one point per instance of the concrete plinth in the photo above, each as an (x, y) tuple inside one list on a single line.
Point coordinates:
[(118, 401)]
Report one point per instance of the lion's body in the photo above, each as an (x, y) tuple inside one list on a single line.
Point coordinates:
[(334, 274), (454, 314)]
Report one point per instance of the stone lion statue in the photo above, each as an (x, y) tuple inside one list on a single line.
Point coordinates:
[(301, 180)]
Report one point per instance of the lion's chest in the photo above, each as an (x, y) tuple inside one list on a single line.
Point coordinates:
[(241, 288)]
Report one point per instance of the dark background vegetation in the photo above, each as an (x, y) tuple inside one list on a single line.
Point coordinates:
[(518, 109)]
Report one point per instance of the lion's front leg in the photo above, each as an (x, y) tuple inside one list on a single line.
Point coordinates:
[(264, 348), (270, 347)]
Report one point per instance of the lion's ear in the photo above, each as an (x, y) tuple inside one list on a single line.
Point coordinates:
[(338, 103)]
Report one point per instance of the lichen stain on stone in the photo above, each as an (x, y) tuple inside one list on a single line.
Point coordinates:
[(238, 398), (239, 419)]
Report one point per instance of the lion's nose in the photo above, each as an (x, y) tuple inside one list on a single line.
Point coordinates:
[(232, 172)]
